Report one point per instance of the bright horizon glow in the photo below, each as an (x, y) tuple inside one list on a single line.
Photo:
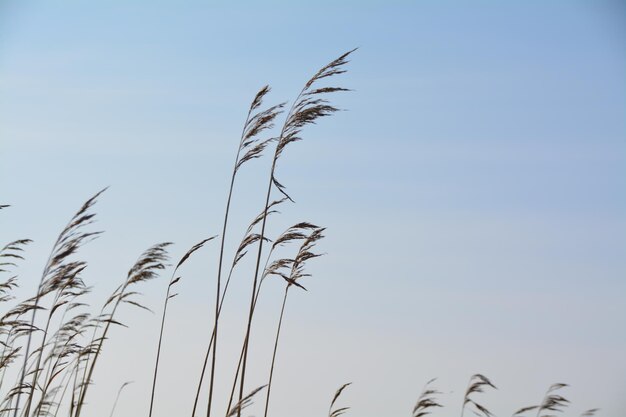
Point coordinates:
[(474, 191)]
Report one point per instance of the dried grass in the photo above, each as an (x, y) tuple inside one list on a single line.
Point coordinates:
[(55, 366)]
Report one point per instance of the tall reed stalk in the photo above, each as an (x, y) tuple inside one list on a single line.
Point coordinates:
[(168, 295), (306, 109), (70, 276), (117, 397), (249, 239), (249, 148), (9, 255)]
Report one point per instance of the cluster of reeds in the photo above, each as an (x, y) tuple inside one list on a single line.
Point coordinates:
[(53, 337), (428, 401), (53, 340)]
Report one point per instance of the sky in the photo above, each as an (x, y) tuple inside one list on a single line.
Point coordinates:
[(473, 191)]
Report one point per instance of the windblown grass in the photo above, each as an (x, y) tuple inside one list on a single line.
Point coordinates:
[(54, 340)]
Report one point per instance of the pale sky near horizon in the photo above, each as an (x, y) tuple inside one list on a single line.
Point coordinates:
[(474, 190)]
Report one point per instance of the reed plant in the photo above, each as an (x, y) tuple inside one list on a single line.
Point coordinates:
[(53, 340)]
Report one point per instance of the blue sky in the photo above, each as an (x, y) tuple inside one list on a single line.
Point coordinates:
[(473, 190)]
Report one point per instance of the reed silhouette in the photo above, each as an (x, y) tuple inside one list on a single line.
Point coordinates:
[(54, 339)]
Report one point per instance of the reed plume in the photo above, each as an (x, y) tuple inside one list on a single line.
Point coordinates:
[(117, 397), (338, 411), (426, 401), (9, 254), (477, 383), (250, 147), (9, 326), (550, 402)]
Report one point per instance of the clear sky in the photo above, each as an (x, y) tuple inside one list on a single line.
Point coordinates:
[(474, 191)]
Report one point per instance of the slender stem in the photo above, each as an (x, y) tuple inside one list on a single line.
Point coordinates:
[(84, 381), (73, 397), (232, 392), (36, 371), (83, 393), (218, 289), (117, 397), (41, 349), (65, 385), (206, 357), (258, 258), (280, 322), (32, 324), (158, 355), (208, 351), (73, 401), (30, 335), (219, 275), (173, 280), (465, 397), (254, 284), (234, 387), (48, 371), (52, 375)]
